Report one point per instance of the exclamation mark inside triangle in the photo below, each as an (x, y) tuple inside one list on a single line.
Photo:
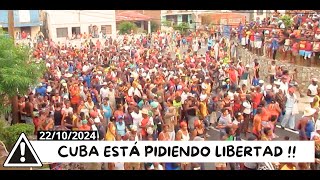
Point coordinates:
[(22, 154), (22, 151)]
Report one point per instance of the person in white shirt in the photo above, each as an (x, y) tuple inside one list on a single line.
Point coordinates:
[(289, 116), (195, 46), (136, 116), (284, 85), (110, 93), (276, 87), (184, 95), (137, 91), (312, 89), (82, 93), (67, 109), (317, 126), (317, 35), (130, 91), (104, 91), (216, 50), (261, 84), (86, 67)]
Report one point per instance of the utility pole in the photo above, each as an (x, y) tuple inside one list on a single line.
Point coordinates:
[(11, 23), (14, 100)]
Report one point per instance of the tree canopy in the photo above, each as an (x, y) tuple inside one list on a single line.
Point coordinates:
[(182, 27), (18, 71), (126, 27), (287, 20)]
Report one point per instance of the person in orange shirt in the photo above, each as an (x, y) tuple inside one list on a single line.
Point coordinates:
[(274, 108), (75, 96), (158, 80), (297, 33)]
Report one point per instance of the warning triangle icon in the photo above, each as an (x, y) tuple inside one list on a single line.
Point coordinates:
[(23, 154)]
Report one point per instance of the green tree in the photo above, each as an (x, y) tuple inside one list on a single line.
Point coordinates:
[(167, 23), (154, 26), (10, 134), (182, 27), (18, 71), (287, 20), (126, 27)]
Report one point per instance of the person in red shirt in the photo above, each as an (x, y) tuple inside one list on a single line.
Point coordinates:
[(172, 82), (256, 99), (308, 50), (251, 37), (233, 74), (144, 124), (79, 66)]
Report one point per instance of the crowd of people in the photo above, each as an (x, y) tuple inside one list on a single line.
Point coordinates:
[(157, 88), (294, 36)]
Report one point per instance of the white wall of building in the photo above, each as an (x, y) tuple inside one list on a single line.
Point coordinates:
[(79, 18)]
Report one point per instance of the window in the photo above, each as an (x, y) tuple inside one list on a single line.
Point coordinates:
[(93, 30), (75, 30), (62, 32), (172, 18), (106, 29), (259, 12), (185, 18)]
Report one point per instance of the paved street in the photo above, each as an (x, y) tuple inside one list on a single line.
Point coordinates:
[(282, 133)]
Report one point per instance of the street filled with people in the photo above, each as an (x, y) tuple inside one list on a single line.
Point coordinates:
[(292, 37), (170, 86)]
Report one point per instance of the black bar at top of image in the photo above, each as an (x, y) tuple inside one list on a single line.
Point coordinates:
[(67, 135)]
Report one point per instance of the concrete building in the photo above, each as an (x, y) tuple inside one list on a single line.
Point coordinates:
[(223, 17), (27, 21), (64, 24), (196, 18), (177, 17)]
